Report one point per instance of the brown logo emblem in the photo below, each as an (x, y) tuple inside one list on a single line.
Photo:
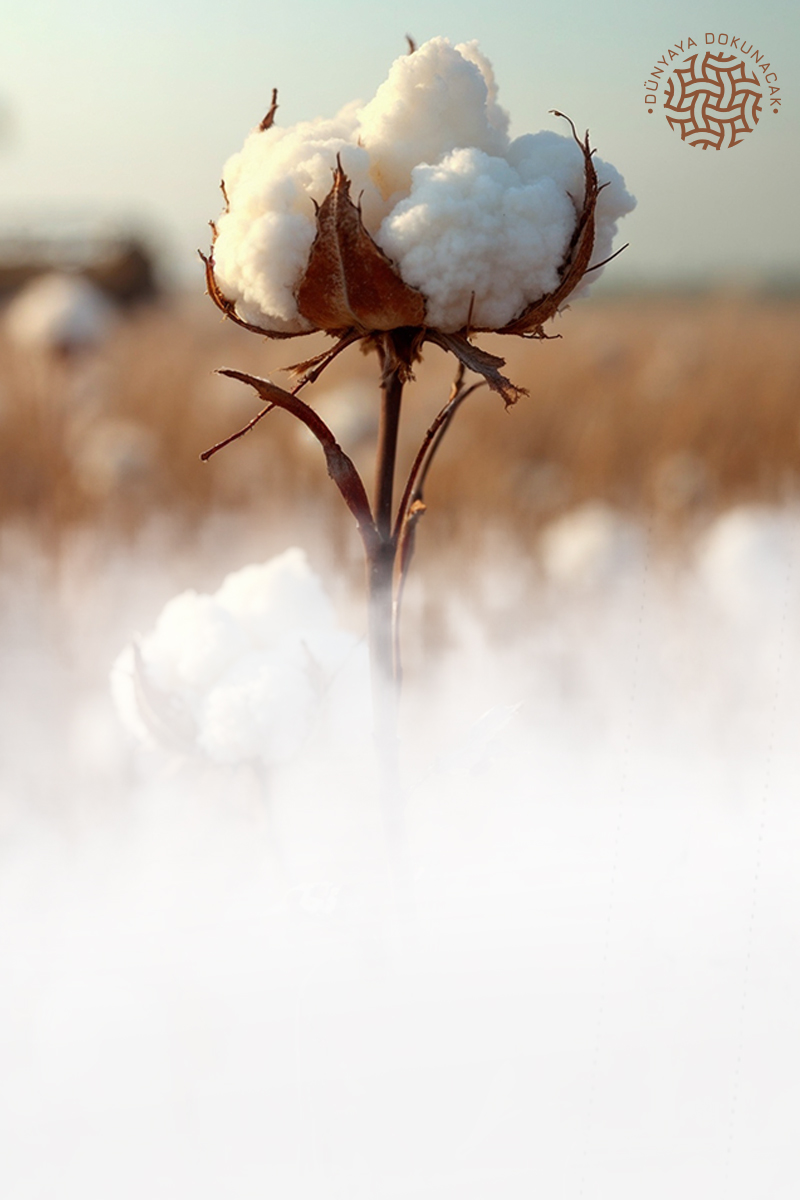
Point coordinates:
[(714, 103), (713, 99)]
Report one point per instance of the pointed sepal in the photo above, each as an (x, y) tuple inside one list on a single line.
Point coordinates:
[(349, 282)]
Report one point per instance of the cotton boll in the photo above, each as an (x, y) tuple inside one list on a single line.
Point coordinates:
[(195, 639), (472, 226), (549, 155), (456, 207), (257, 264), (260, 709), (243, 674), (154, 717), (554, 156), (275, 599), (613, 202), (433, 101)]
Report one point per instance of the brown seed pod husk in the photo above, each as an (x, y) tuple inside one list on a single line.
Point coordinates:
[(349, 281)]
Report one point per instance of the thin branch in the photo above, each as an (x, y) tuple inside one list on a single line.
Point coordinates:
[(457, 402), (207, 454), (319, 363), (597, 266), (412, 505), (420, 467), (340, 467)]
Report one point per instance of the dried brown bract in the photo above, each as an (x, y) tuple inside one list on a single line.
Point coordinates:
[(349, 283)]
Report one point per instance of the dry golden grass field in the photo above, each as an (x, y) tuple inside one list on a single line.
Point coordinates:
[(668, 408)]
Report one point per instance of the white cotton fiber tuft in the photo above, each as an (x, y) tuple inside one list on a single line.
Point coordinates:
[(241, 675), (259, 709), (194, 640), (433, 102), (458, 208), (470, 226), (276, 599)]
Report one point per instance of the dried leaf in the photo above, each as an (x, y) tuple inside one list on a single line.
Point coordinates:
[(480, 361), (270, 117), (311, 368), (349, 282)]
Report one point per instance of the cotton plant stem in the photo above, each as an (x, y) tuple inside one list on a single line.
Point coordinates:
[(391, 401), (412, 505), (381, 576)]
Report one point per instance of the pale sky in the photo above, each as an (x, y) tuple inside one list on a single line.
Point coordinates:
[(127, 113)]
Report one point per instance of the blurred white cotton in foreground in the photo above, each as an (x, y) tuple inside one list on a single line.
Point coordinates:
[(242, 675), (589, 546), (460, 210), (747, 552), (59, 314)]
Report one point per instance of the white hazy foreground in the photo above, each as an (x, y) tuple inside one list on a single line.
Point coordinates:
[(468, 216), (208, 985)]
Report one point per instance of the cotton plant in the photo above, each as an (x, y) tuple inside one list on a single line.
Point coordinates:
[(413, 219), (246, 674)]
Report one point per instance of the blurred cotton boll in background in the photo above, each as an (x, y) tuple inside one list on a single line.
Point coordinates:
[(745, 559), (591, 546), (58, 326), (60, 315), (246, 674)]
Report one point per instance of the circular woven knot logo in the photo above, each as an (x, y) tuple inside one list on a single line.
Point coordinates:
[(713, 99), (713, 102)]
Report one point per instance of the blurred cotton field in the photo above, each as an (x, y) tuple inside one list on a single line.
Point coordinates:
[(584, 979)]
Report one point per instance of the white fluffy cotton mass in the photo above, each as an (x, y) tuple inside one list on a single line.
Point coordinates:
[(457, 206), (243, 674)]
